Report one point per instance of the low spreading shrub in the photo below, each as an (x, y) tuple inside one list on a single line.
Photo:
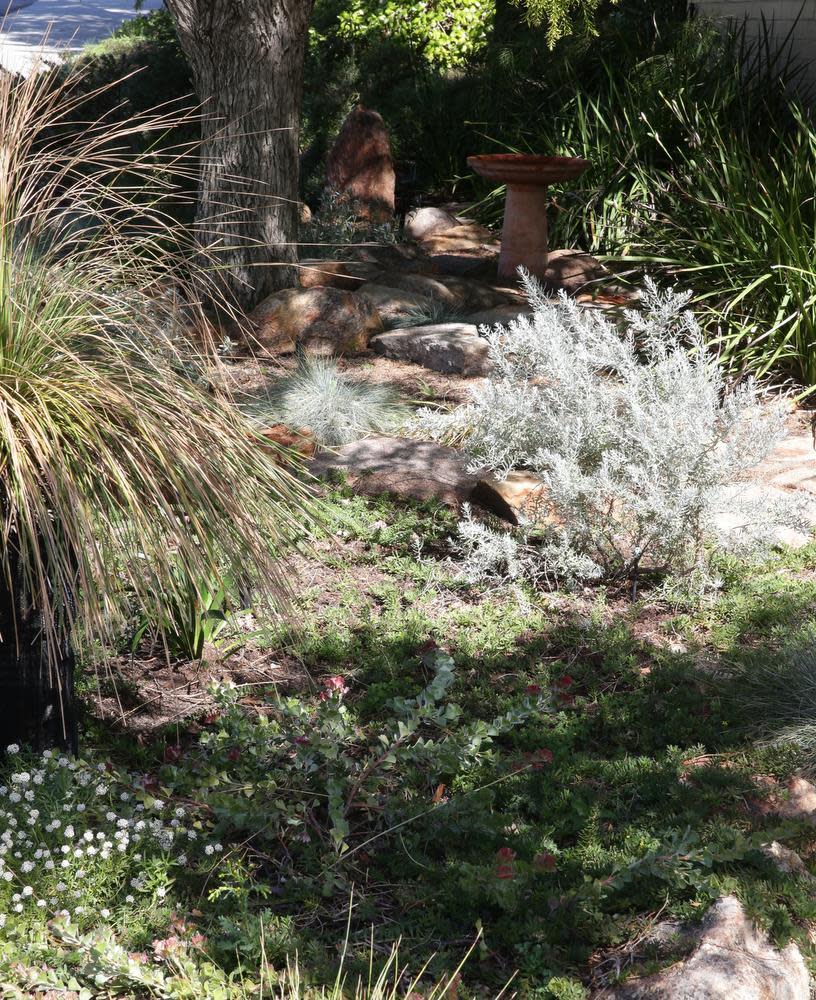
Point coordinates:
[(635, 434), (310, 775)]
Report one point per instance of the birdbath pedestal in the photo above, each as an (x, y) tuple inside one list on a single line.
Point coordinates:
[(524, 235)]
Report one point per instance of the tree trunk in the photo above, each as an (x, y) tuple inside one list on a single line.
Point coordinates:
[(247, 61), (37, 707)]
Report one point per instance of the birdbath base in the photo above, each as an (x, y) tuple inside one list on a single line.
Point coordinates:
[(524, 235)]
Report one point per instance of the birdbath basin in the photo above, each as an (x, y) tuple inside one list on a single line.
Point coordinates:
[(524, 235)]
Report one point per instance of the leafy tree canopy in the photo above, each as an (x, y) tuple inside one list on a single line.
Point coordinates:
[(448, 33), (560, 16)]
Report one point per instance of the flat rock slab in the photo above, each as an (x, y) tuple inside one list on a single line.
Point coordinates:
[(733, 960), (447, 347), (470, 236), (792, 464), (759, 503), (416, 470), (497, 316)]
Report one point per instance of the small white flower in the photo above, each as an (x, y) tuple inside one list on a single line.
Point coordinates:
[(161, 892), (27, 890), (104, 913), (130, 899), (12, 748), (18, 908), (219, 848), (209, 849), (41, 903)]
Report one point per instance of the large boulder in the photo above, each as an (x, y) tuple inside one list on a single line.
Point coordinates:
[(456, 292), (417, 470), (361, 168), (454, 348), (573, 271), (423, 222), (324, 321), (347, 275), (394, 304), (731, 960)]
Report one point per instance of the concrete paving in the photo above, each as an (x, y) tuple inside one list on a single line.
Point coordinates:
[(37, 30)]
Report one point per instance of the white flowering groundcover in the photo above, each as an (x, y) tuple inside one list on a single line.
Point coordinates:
[(80, 841)]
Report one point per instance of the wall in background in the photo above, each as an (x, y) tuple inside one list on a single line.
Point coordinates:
[(794, 17)]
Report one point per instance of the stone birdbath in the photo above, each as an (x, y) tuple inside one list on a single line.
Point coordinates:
[(524, 236)]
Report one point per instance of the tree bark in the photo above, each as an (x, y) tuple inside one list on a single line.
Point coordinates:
[(247, 61), (37, 708)]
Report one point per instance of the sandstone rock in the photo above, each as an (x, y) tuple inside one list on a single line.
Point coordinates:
[(571, 271), (481, 265), (299, 440), (457, 292), (445, 347), (796, 801), (344, 274), (394, 304), (361, 167), (497, 316), (392, 257), (417, 470), (521, 496), (787, 861), (325, 321), (733, 960), (745, 506), (423, 222), (470, 236)]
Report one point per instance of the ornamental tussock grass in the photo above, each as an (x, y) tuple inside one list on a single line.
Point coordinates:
[(335, 408), (119, 465)]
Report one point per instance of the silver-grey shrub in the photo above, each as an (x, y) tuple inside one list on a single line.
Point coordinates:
[(630, 425)]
